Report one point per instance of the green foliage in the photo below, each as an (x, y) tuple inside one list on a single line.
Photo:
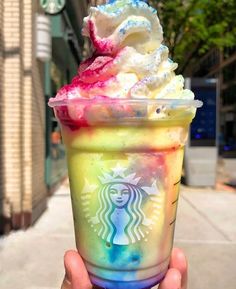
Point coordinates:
[(193, 27)]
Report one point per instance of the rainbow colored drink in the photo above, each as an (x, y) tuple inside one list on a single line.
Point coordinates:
[(125, 120), (124, 171)]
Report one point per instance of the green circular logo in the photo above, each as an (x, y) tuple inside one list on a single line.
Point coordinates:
[(52, 6)]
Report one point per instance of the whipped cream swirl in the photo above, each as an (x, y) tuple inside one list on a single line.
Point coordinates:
[(129, 59)]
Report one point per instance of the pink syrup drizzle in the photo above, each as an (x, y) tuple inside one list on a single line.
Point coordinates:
[(77, 82), (62, 113), (103, 46), (90, 77), (99, 68), (97, 72)]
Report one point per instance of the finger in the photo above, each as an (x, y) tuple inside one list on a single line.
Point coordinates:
[(179, 262), (172, 280), (66, 284), (76, 273)]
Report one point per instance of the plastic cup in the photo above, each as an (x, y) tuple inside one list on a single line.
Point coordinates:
[(124, 162)]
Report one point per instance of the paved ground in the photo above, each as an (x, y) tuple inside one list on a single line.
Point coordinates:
[(205, 230)]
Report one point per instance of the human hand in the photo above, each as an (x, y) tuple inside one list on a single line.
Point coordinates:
[(77, 276), (177, 274)]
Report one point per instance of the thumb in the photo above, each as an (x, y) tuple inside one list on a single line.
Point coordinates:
[(76, 276), (66, 284), (172, 280)]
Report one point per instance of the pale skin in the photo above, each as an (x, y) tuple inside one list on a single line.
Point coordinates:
[(76, 276)]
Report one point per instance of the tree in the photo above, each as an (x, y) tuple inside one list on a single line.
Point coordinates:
[(193, 27)]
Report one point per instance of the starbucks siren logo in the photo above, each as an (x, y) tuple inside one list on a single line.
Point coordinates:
[(120, 218), (52, 6)]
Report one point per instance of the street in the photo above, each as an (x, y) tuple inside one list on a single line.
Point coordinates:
[(205, 230)]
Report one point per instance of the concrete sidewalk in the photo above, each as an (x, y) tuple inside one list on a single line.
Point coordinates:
[(205, 230)]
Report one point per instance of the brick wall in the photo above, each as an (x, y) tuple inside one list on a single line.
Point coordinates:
[(12, 114), (22, 129), (1, 99), (27, 103)]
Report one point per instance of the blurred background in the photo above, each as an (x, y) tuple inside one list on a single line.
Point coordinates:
[(41, 47)]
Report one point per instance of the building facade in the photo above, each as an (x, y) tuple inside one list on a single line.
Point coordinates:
[(222, 65), (31, 153)]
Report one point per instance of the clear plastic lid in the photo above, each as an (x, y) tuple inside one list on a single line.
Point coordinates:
[(108, 110), (170, 103)]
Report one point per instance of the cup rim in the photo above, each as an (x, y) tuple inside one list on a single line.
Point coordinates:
[(170, 103)]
